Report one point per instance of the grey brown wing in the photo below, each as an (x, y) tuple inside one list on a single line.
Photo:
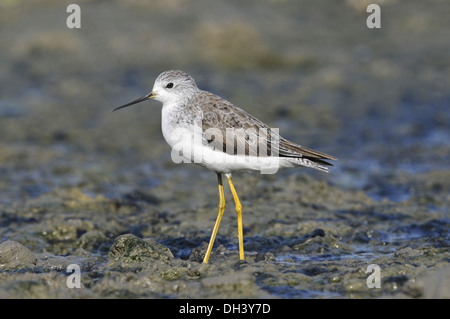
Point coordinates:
[(234, 131)]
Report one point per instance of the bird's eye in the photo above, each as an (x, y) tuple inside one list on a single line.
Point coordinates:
[(169, 85)]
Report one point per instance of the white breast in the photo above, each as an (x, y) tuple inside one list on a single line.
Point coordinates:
[(168, 122)]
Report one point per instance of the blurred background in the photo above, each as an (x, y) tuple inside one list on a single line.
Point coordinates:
[(377, 99)]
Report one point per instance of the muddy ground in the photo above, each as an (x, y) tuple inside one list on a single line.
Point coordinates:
[(81, 185)]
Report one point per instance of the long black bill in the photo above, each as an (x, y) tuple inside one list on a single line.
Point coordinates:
[(141, 99)]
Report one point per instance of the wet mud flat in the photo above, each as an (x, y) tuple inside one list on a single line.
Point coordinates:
[(82, 186), (316, 245)]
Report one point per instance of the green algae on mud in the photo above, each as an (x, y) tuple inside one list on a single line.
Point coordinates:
[(303, 250)]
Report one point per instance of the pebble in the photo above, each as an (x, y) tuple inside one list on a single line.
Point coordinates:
[(15, 255)]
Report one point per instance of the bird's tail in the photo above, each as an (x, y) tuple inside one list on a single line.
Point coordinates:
[(312, 163)]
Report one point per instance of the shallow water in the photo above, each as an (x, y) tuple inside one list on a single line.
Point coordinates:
[(75, 177)]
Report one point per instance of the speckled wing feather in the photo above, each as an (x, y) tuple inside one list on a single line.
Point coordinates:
[(220, 114)]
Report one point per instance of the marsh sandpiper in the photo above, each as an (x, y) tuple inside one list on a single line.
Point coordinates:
[(208, 130)]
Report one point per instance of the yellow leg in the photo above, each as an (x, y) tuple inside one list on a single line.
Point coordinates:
[(239, 216), (219, 218)]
